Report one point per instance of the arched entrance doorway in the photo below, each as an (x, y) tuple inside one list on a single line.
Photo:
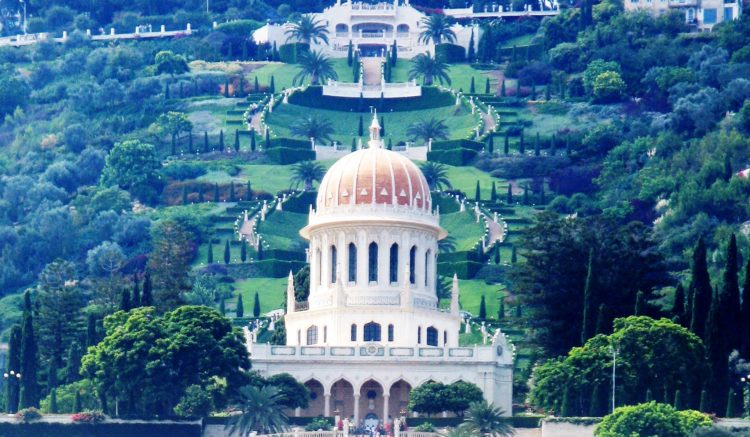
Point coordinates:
[(342, 394), (371, 401), (316, 404), (399, 398)]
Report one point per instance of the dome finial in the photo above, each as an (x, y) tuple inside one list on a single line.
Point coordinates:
[(375, 140)]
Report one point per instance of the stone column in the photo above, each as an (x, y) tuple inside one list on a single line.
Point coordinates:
[(356, 409), (327, 404), (386, 399)]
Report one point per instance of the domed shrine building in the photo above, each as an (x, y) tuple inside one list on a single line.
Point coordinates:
[(371, 329)]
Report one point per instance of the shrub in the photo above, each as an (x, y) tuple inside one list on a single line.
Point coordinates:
[(93, 416), (458, 157), (182, 170), (450, 53), (318, 423), (651, 418), (196, 402), (28, 415), (424, 427), (289, 53), (286, 155)]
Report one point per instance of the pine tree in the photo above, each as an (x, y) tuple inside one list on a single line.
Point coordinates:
[(227, 258), (125, 300), (77, 403), (472, 89), (29, 357), (147, 299), (267, 143), (350, 54), (394, 53), (509, 197), (678, 307), (502, 88), (390, 143), (493, 193), (700, 289), (226, 87), (222, 307), (382, 126), (256, 306), (601, 319), (506, 146), (589, 301), (732, 316), (272, 86), (472, 51), (482, 309), (491, 144), (513, 256), (501, 310), (14, 364), (249, 190), (745, 313), (240, 310), (221, 140), (361, 127), (487, 86), (477, 193), (252, 139), (640, 303), (210, 259), (205, 141), (236, 140)]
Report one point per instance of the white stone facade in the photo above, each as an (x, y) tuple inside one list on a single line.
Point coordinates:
[(370, 27), (704, 14), (371, 329)]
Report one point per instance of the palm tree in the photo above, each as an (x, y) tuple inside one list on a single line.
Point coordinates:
[(447, 244), (487, 420), (313, 127), (307, 172), (436, 28), (428, 129), (436, 175), (261, 411), (317, 66), (428, 68), (307, 30)]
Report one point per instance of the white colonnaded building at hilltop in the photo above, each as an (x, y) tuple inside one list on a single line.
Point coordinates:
[(371, 329), (371, 27)]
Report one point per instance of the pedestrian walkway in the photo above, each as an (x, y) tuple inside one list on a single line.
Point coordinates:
[(371, 68)]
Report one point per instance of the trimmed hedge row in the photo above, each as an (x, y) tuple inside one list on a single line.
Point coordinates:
[(457, 157), (456, 144), (312, 97), (465, 255), (464, 269), (282, 254), (450, 53), (290, 143), (447, 204), (286, 155), (301, 202), (118, 429), (290, 53), (531, 51), (276, 268)]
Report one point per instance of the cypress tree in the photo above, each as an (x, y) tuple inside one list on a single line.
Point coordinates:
[(73, 363), (53, 400), (252, 139), (678, 307), (566, 410), (589, 304), (700, 289), (147, 299), (14, 364), (640, 303), (487, 86), (502, 88), (390, 143), (382, 126), (745, 313), (493, 193), (226, 252), (205, 141), (51, 375), (472, 89), (91, 336), (29, 358), (491, 145), (501, 310), (256, 306), (231, 191), (350, 54), (243, 250), (506, 146), (601, 319), (125, 300), (731, 315), (472, 51), (222, 307), (221, 140), (513, 256), (360, 127), (216, 193), (240, 310), (249, 192), (272, 86), (210, 259), (354, 144), (497, 254), (509, 197), (256, 86), (482, 309), (77, 402), (236, 140), (537, 146), (267, 144), (394, 53), (190, 143), (477, 194)]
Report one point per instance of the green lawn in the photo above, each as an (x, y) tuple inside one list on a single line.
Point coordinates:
[(271, 178), (283, 74), (471, 291), (460, 122), (271, 293), (462, 228), (281, 230), (465, 179), (460, 75)]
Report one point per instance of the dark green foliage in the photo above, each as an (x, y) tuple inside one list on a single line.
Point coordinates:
[(745, 313), (77, 402), (700, 290), (236, 140), (477, 193), (350, 54), (450, 53), (125, 300), (190, 143), (732, 404), (360, 127), (640, 304), (221, 140), (472, 87), (601, 320), (91, 335), (589, 301), (256, 306), (390, 143), (491, 144), (501, 310), (487, 86), (12, 385), (231, 191), (205, 142), (502, 88), (240, 309), (354, 145), (73, 363), (703, 405), (226, 88), (566, 409), (678, 307), (513, 256), (227, 255), (472, 54), (210, 259), (482, 309), (29, 357), (147, 299), (252, 140), (679, 403), (493, 192), (509, 196), (267, 142), (256, 86), (537, 145), (272, 85), (598, 405), (243, 250), (222, 307)]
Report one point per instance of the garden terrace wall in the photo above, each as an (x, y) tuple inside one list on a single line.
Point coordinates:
[(105, 429), (312, 97)]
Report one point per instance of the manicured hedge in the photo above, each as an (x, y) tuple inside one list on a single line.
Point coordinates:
[(464, 270), (276, 268), (312, 97), (119, 429), (534, 51), (290, 143), (456, 144), (300, 203), (450, 53), (458, 157), (464, 255), (288, 54), (285, 255), (286, 155), (447, 204)]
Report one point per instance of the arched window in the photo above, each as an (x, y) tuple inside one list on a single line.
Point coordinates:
[(319, 261), (352, 262), (432, 336), (393, 275), (427, 267), (419, 335), (372, 273), (412, 265), (372, 331), (354, 332), (312, 335), (390, 332), (334, 260)]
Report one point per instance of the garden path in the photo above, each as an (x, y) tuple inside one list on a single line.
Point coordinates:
[(496, 231), (371, 70)]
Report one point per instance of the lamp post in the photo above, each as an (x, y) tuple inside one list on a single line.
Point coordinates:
[(11, 376)]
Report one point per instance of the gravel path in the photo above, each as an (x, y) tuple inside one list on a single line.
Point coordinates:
[(371, 70)]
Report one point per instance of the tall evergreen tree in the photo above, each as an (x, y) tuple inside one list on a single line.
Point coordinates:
[(477, 193), (679, 403), (147, 299), (601, 320), (91, 336), (252, 139), (29, 357), (513, 256), (236, 140), (487, 86), (360, 127), (640, 303), (73, 363), (700, 289), (382, 126), (184, 195), (272, 86), (745, 314), (501, 310), (589, 302), (221, 140), (472, 54), (53, 395), (125, 300), (354, 144), (240, 310), (509, 197), (394, 53), (12, 385), (243, 250), (491, 144), (482, 309), (227, 258), (678, 307), (210, 259), (51, 376), (502, 88), (497, 254), (537, 146), (135, 300), (256, 86), (256, 306), (472, 86), (205, 141), (493, 192), (267, 142), (732, 316), (222, 307), (350, 54)]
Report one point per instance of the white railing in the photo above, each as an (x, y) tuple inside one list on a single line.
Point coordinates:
[(341, 434)]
